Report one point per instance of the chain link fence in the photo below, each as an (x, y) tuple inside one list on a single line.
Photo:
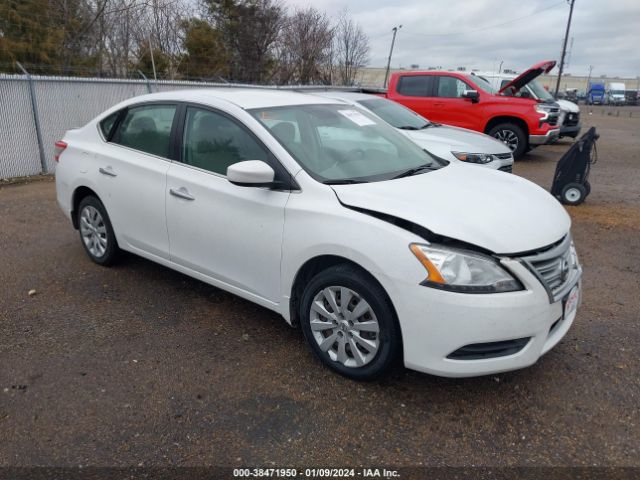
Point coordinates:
[(35, 111)]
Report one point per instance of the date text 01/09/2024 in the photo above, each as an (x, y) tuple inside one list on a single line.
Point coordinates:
[(315, 473)]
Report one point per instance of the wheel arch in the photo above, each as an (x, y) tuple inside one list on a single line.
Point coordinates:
[(317, 264), (79, 194), (507, 119)]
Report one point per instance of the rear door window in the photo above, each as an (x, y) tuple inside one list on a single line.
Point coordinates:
[(415, 85), (147, 128)]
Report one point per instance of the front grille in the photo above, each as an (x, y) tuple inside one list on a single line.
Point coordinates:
[(503, 156), (552, 120), (556, 267), (478, 351), (571, 119), (506, 168)]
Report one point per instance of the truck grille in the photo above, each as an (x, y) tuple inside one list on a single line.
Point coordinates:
[(553, 119), (571, 119), (506, 168), (556, 267)]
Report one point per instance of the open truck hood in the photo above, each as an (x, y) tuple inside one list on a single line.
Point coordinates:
[(528, 75), (494, 210)]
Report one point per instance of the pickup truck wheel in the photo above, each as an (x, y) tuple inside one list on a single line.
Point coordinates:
[(512, 136)]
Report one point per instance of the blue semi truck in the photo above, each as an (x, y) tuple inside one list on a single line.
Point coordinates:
[(596, 93)]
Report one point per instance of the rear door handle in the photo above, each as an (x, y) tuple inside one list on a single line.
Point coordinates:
[(181, 193), (108, 171)]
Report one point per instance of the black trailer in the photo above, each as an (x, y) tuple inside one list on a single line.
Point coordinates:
[(571, 180)]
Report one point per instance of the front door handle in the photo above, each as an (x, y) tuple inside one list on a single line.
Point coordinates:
[(108, 171), (181, 193)]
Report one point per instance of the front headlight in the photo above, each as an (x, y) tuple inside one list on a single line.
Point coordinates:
[(463, 271), (544, 109), (473, 157)]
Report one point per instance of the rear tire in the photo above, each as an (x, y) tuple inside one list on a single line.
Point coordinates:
[(512, 136), (349, 323), (587, 187), (573, 194), (96, 233)]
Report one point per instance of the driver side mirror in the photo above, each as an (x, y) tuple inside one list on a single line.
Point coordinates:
[(251, 173), (472, 95)]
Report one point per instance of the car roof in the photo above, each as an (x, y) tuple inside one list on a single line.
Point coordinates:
[(350, 97), (246, 98)]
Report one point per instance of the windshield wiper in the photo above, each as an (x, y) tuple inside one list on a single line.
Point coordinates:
[(414, 170), (411, 127), (344, 181)]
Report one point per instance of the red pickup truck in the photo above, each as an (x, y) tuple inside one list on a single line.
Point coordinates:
[(466, 100)]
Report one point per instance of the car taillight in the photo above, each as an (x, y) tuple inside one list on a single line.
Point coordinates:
[(59, 148)]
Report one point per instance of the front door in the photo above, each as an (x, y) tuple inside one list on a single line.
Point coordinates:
[(230, 233), (452, 108)]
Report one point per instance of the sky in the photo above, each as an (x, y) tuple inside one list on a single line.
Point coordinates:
[(482, 33)]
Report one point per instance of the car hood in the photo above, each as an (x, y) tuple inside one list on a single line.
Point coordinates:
[(568, 106), (529, 74), (503, 213), (449, 139)]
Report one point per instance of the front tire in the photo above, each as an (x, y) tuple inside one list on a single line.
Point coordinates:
[(512, 136), (349, 323), (96, 232)]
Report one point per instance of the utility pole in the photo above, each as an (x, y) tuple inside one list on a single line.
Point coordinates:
[(153, 63), (589, 79), (393, 41), (500, 67), (564, 46)]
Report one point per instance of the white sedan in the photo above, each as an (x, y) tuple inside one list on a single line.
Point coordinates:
[(444, 141), (330, 217)]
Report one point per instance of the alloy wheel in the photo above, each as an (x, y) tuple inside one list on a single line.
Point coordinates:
[(509, 138)]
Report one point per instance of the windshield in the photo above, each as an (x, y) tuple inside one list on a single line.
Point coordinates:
[(482, 84), (395, 114), (539, 91), (617, 92), (340, 144)]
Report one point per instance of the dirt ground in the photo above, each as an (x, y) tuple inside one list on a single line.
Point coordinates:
[(139, 365)]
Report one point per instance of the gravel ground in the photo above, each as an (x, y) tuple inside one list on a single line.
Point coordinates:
[(140, 365)]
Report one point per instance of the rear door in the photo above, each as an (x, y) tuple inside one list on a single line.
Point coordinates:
[(452, 108), (416, 93), (230, 233), (132, 168)]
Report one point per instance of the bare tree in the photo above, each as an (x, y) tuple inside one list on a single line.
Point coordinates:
[(351, 48), (304, 47)]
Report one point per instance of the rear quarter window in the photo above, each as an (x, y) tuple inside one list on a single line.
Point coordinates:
[(107, 124)]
